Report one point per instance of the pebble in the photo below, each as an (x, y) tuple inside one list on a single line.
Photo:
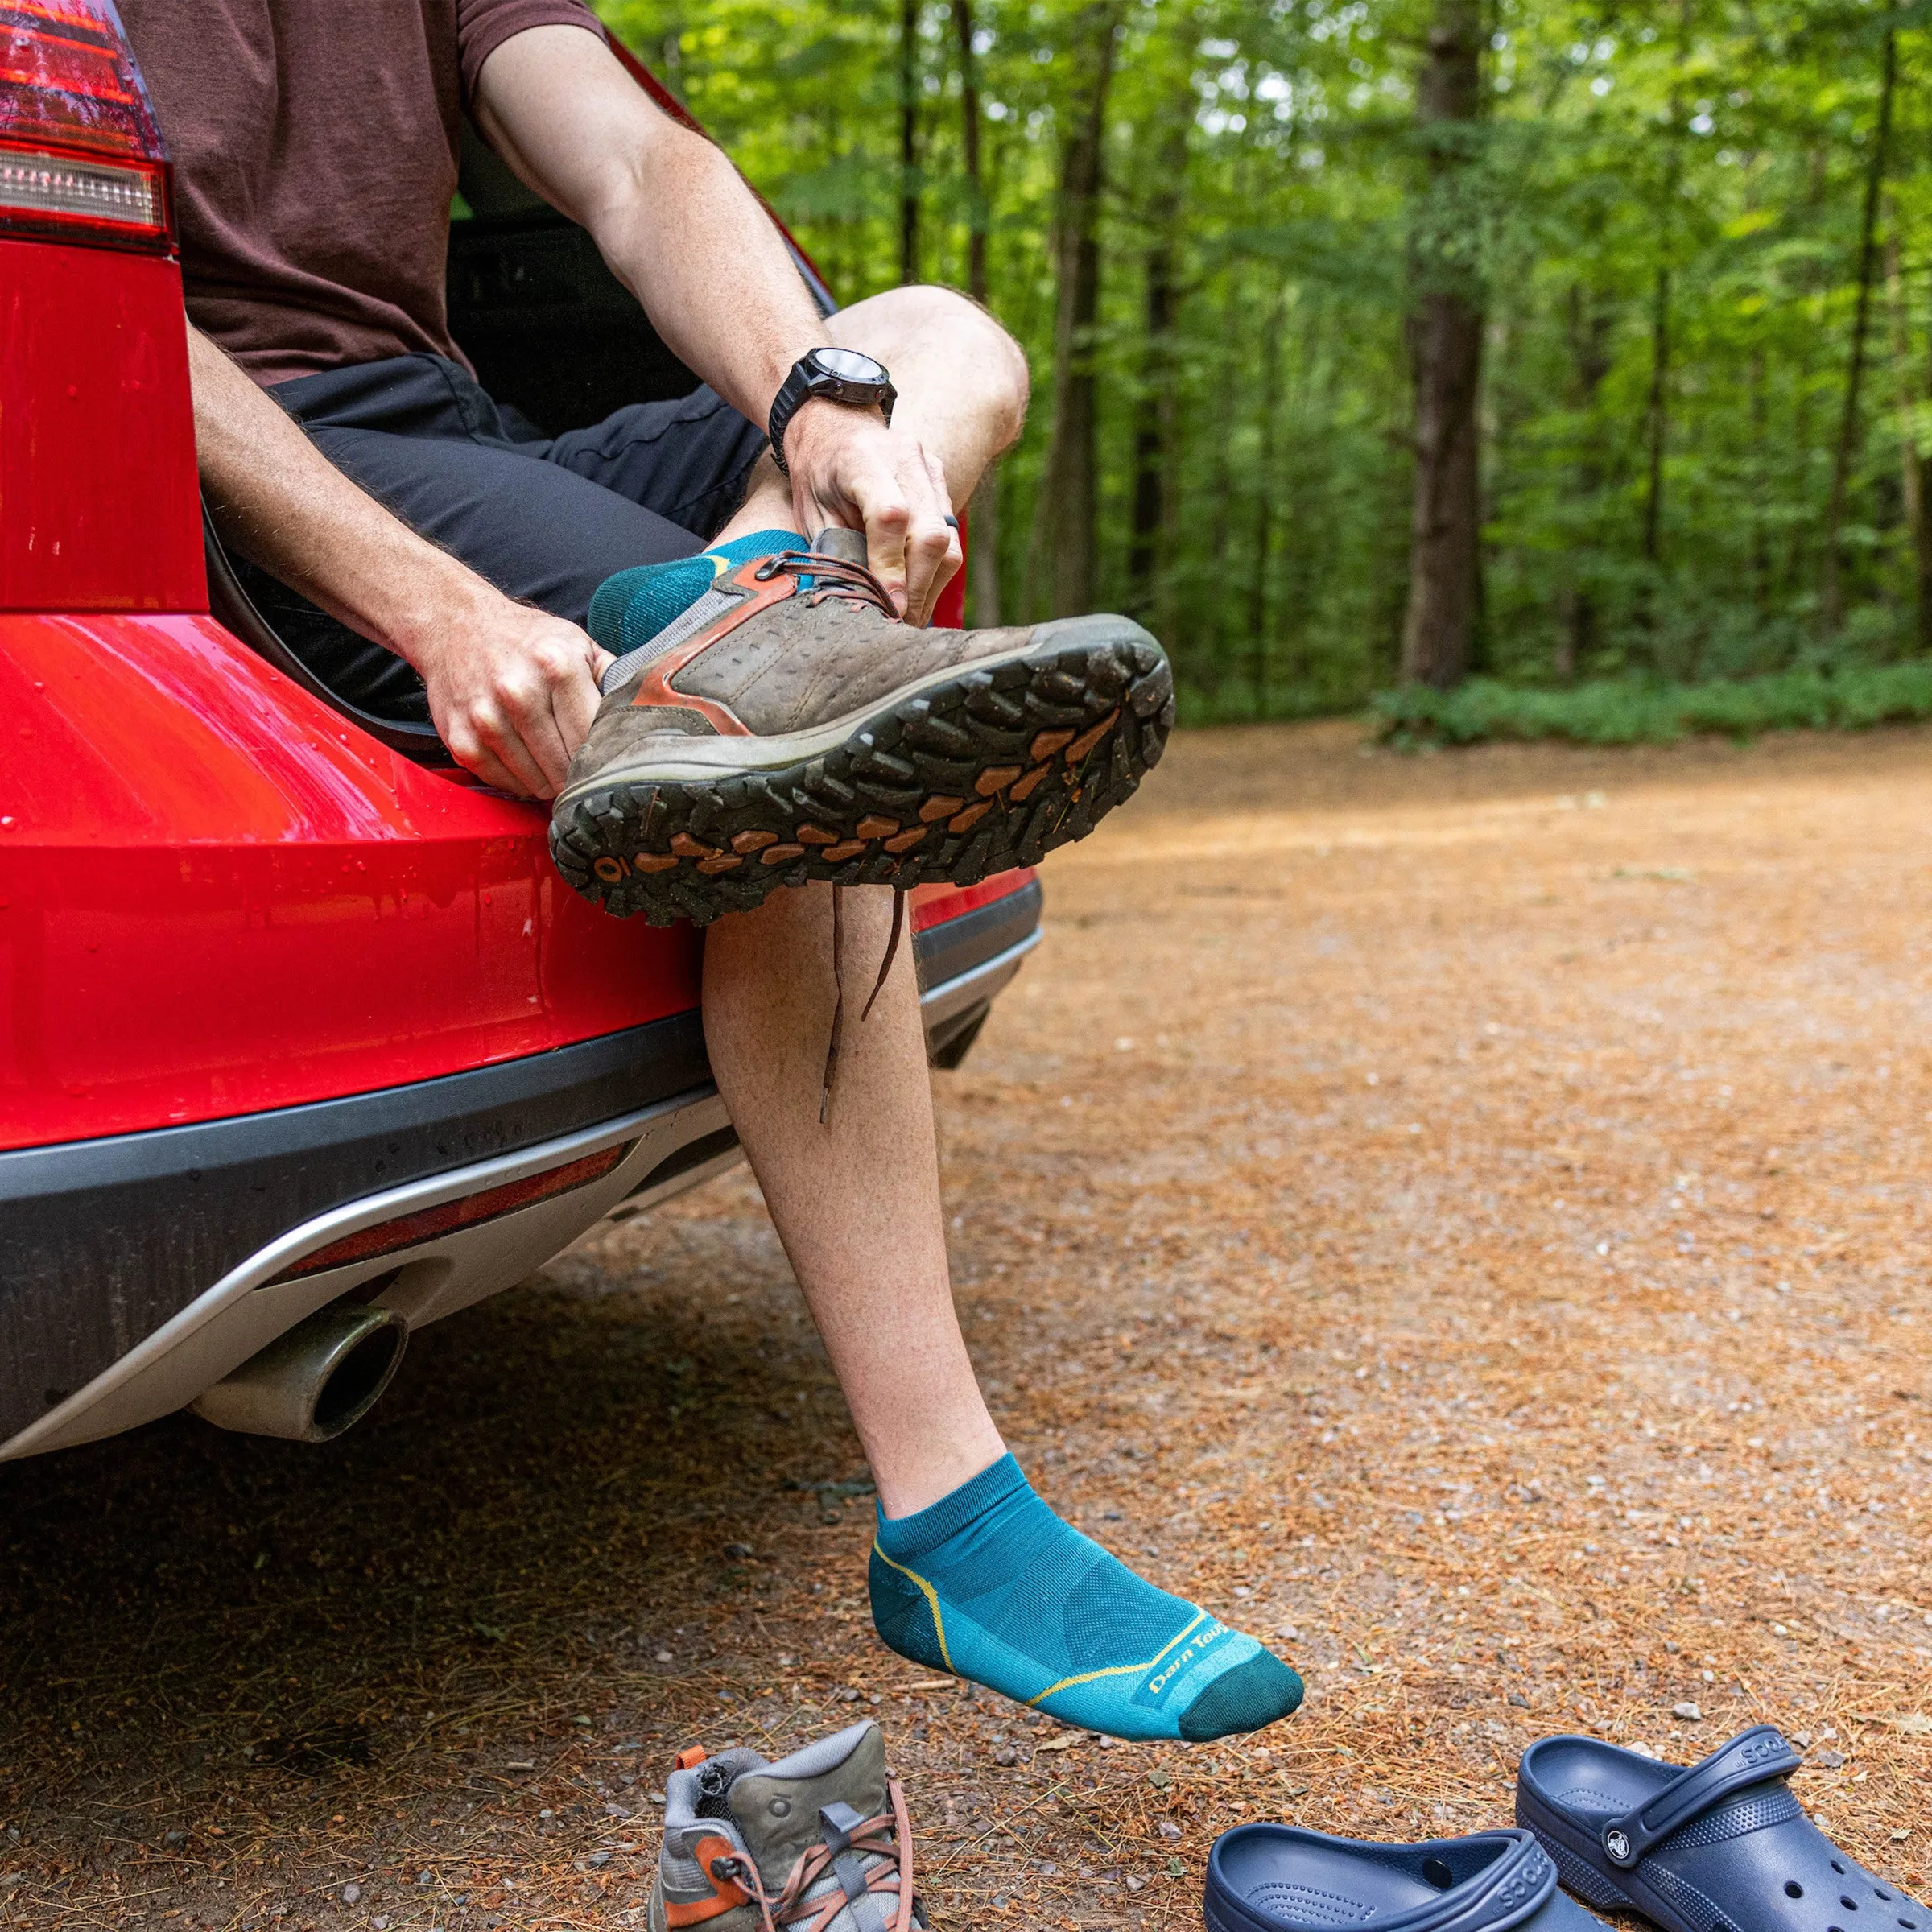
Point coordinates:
[(1689, 1712), (1169, 1828), (352, 1893)]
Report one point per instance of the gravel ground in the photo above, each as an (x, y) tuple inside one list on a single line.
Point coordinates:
[(1464, 1215)]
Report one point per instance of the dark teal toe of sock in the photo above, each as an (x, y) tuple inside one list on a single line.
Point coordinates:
[(1261, 1691)]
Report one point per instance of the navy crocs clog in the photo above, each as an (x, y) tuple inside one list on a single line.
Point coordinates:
[(1279, 1878), (1723, 1847)]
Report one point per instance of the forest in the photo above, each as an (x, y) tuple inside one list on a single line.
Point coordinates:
[(1385, 343)]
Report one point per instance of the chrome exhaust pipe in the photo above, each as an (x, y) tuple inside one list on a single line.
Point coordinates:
[(310, 1385)]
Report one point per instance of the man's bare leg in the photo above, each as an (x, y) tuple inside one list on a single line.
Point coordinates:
[(856, 1200)]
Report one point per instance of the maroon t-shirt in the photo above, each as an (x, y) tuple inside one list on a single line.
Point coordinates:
[(314, 150)]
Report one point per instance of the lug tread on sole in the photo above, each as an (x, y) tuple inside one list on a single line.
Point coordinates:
[(990, 771)]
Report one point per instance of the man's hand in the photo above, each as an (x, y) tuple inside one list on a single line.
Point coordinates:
[(512, 690), (848, 468)]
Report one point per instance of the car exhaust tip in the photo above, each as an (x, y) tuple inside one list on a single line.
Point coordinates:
[(310, 1385)]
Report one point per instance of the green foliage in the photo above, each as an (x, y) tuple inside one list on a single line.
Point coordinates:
[(1692, 173), (1635, 710)]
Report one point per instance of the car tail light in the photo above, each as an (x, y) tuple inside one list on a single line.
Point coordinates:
[(408, 1230), (81, 158)]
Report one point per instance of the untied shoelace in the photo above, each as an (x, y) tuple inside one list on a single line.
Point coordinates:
[(832, 575)]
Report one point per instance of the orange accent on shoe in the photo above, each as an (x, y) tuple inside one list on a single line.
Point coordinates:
[(876, 828), (970, 817), (907, 840), (686, 847), (1048, 742), (753, 841), (938, 808), (815, 834), (729, 1894), (652, 862), (725, 861), (994, 778), (655, 687), (610, 870), (1029, 785), (777, 855), (1086, 741), (690, 1757), (846, 849)]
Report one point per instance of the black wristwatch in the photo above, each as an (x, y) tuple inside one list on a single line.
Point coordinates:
[(840, 375)]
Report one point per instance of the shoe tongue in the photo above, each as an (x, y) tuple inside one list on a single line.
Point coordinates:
[(776, 1808)]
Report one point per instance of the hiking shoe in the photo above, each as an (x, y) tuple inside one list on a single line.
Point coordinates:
[(787, 727), (819, 1841)]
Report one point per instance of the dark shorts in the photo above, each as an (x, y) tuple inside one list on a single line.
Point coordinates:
[(546, 519)]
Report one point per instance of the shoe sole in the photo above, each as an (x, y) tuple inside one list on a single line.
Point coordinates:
[(972, 771)]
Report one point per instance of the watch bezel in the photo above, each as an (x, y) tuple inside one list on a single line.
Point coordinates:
[(810, 379)]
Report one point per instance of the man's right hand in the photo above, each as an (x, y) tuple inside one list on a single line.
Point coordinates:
[(512, 690)]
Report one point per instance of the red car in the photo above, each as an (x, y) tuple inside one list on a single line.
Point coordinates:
[(303, 1042)]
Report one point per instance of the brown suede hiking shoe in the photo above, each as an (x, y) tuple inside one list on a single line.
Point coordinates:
[(819, 1842), (788, 727)]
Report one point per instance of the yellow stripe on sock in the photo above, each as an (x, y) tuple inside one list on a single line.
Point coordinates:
[(1067, 1683), (932, 1600)]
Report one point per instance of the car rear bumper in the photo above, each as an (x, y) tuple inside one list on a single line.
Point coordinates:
[(136, 1270)]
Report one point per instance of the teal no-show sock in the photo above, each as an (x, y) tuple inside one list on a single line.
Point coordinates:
[(629, 609), (990, 1584)]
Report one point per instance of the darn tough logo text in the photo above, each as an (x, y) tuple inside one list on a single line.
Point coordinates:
[(1177, 1664)]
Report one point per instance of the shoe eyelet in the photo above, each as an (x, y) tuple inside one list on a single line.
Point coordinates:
[(780, 1807)]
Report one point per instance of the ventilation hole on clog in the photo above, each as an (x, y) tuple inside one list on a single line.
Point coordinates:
[(1885, 1895), (1851, 1905), (1909, 1925), (1438, 1874), (1837, 1868)]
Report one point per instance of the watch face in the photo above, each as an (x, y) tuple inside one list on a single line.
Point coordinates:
[(849, 366)]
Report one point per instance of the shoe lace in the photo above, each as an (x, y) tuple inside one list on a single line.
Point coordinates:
[(888, 1836), (846, 579), (831, 577), (838, 982)]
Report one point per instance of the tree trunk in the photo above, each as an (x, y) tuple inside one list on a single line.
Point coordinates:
[(983, 516), (1915, 477), (1154, 411), (1264, 504), (909, 141), (1446, 349), (1589, 364), (1830, 608), (1064, 542), (1656, 417)]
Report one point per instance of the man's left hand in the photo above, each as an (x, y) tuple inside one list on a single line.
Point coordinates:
[(848, 468)]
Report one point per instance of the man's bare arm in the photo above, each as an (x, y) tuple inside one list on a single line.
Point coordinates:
[(687, 237), (512, 690)]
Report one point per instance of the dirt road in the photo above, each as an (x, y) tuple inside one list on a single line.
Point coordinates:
[(1468, 1214)]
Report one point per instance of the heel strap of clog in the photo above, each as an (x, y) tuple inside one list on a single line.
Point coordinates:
[(1750, 1758)]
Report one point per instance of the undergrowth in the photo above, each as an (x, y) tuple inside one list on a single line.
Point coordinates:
[(1644, 711)]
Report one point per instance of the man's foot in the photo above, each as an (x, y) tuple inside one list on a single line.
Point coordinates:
[(770, 721), (990, 1584), (747, 1843)]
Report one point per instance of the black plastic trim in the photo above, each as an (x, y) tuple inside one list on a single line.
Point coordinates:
[(101, 1241), (945, 952)]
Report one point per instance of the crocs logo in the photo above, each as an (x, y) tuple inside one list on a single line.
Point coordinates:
[(1617, 1844), (1534, 1874), (1176, 1666), (1760, 1749)]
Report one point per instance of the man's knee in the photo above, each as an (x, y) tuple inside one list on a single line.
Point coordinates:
[(926, 320)]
